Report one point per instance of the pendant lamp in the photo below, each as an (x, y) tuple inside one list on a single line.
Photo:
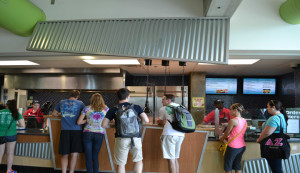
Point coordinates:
[(165, 63), (148, 62), (182, 64)]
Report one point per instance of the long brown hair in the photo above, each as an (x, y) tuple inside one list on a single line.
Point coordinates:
[(97, 102), (12, 106), (279, 106)]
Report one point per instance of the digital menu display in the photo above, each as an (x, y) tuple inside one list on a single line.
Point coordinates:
[(221, 86), (265, 86)]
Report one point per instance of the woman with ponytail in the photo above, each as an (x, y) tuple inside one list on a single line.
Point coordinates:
[(8, 131), (93, 133), (235, 132), (278, 120)]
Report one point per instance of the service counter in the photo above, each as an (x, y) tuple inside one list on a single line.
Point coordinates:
[(33, 148), (198, 153), (213, 160), (190, 158)]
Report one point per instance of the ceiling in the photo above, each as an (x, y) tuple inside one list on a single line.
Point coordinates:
[(272, 63), (269, 65)]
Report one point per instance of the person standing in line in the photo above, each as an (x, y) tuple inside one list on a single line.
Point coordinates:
[(124, 145), (9, 119), (71, 134), (276, 109), (235, 133), (36, 113), (171, 139), (93, 133)]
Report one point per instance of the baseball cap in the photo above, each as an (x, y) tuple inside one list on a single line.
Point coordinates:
[(35, 101), (218, 101)]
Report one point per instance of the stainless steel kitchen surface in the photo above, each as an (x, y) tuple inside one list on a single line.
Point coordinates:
[(155, 94)]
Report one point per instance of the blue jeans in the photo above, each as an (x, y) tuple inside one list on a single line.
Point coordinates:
[(92, 144), (275, 165)]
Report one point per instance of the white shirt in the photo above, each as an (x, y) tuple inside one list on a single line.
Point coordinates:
[(164, 114)]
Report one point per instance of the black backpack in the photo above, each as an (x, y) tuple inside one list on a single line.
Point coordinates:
[(183, 120), (127, 124)]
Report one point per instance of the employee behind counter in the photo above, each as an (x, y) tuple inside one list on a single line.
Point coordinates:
[(34, 116), (224, 114)]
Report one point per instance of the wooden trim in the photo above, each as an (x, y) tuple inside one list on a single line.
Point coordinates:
[(33, 138)]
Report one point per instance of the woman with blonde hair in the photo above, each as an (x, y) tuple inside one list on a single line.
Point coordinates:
[(8, 131), (236, 144), (93, 133)]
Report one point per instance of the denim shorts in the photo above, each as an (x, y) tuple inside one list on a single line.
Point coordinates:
[(11, 138)]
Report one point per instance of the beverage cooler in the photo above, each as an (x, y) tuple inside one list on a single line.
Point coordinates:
[(138, 96)]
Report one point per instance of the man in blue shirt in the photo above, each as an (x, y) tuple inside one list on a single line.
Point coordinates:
[(70, 136)]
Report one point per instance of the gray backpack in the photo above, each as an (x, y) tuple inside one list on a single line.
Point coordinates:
[(127, 124)]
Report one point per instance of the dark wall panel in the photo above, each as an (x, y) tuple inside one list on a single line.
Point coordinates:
[(156, 80), (110, 98)]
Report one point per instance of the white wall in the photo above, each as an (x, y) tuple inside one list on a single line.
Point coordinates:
[(256, 25), (99, 9)]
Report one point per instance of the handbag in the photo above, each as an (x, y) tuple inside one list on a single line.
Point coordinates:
[(275, 146), (222, 148), (3, 138)]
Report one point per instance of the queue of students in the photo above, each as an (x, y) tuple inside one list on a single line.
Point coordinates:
[(97, 116)]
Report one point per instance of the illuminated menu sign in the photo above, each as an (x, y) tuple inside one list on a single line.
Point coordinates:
[(259, 86), (221, 86), (294, 120)]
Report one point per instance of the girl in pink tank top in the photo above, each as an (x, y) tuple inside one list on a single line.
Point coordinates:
[(236, 148)]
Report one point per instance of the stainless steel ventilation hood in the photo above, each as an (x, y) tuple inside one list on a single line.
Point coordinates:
[(191, 39), (88, 81)]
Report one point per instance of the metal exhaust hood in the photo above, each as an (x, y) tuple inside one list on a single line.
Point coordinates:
[(180, 39)]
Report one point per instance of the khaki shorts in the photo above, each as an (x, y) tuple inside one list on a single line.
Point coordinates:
[(123, 146), (171, 146)]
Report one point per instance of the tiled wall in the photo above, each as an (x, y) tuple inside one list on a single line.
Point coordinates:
[(110, 97), (252, 103)]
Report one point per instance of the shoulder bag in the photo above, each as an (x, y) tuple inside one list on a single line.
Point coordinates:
[(2, 138), (222, 148), (275, 146)]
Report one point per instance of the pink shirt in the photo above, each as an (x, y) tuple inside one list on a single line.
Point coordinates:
[(239, 141)]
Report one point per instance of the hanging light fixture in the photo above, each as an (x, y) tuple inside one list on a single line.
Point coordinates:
[(165, 63), (182, 64), (148, 62)]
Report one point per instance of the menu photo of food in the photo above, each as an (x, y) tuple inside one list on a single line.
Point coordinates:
[(266, 91), (222, 91)]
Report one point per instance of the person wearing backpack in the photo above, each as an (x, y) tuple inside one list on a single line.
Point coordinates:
[(171, 139), (128, 131)]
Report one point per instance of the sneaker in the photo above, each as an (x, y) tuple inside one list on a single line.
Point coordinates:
[(11, 171)]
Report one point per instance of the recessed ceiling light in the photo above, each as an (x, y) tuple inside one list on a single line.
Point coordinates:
[(113, 62), (19, 62), (87, 57), (242, 61), (205, 63)]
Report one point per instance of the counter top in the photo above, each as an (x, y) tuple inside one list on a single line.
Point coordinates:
[(252, 139), (32, 131)]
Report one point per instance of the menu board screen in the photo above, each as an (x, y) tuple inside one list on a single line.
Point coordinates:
[(221, 86), (259, 86)]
